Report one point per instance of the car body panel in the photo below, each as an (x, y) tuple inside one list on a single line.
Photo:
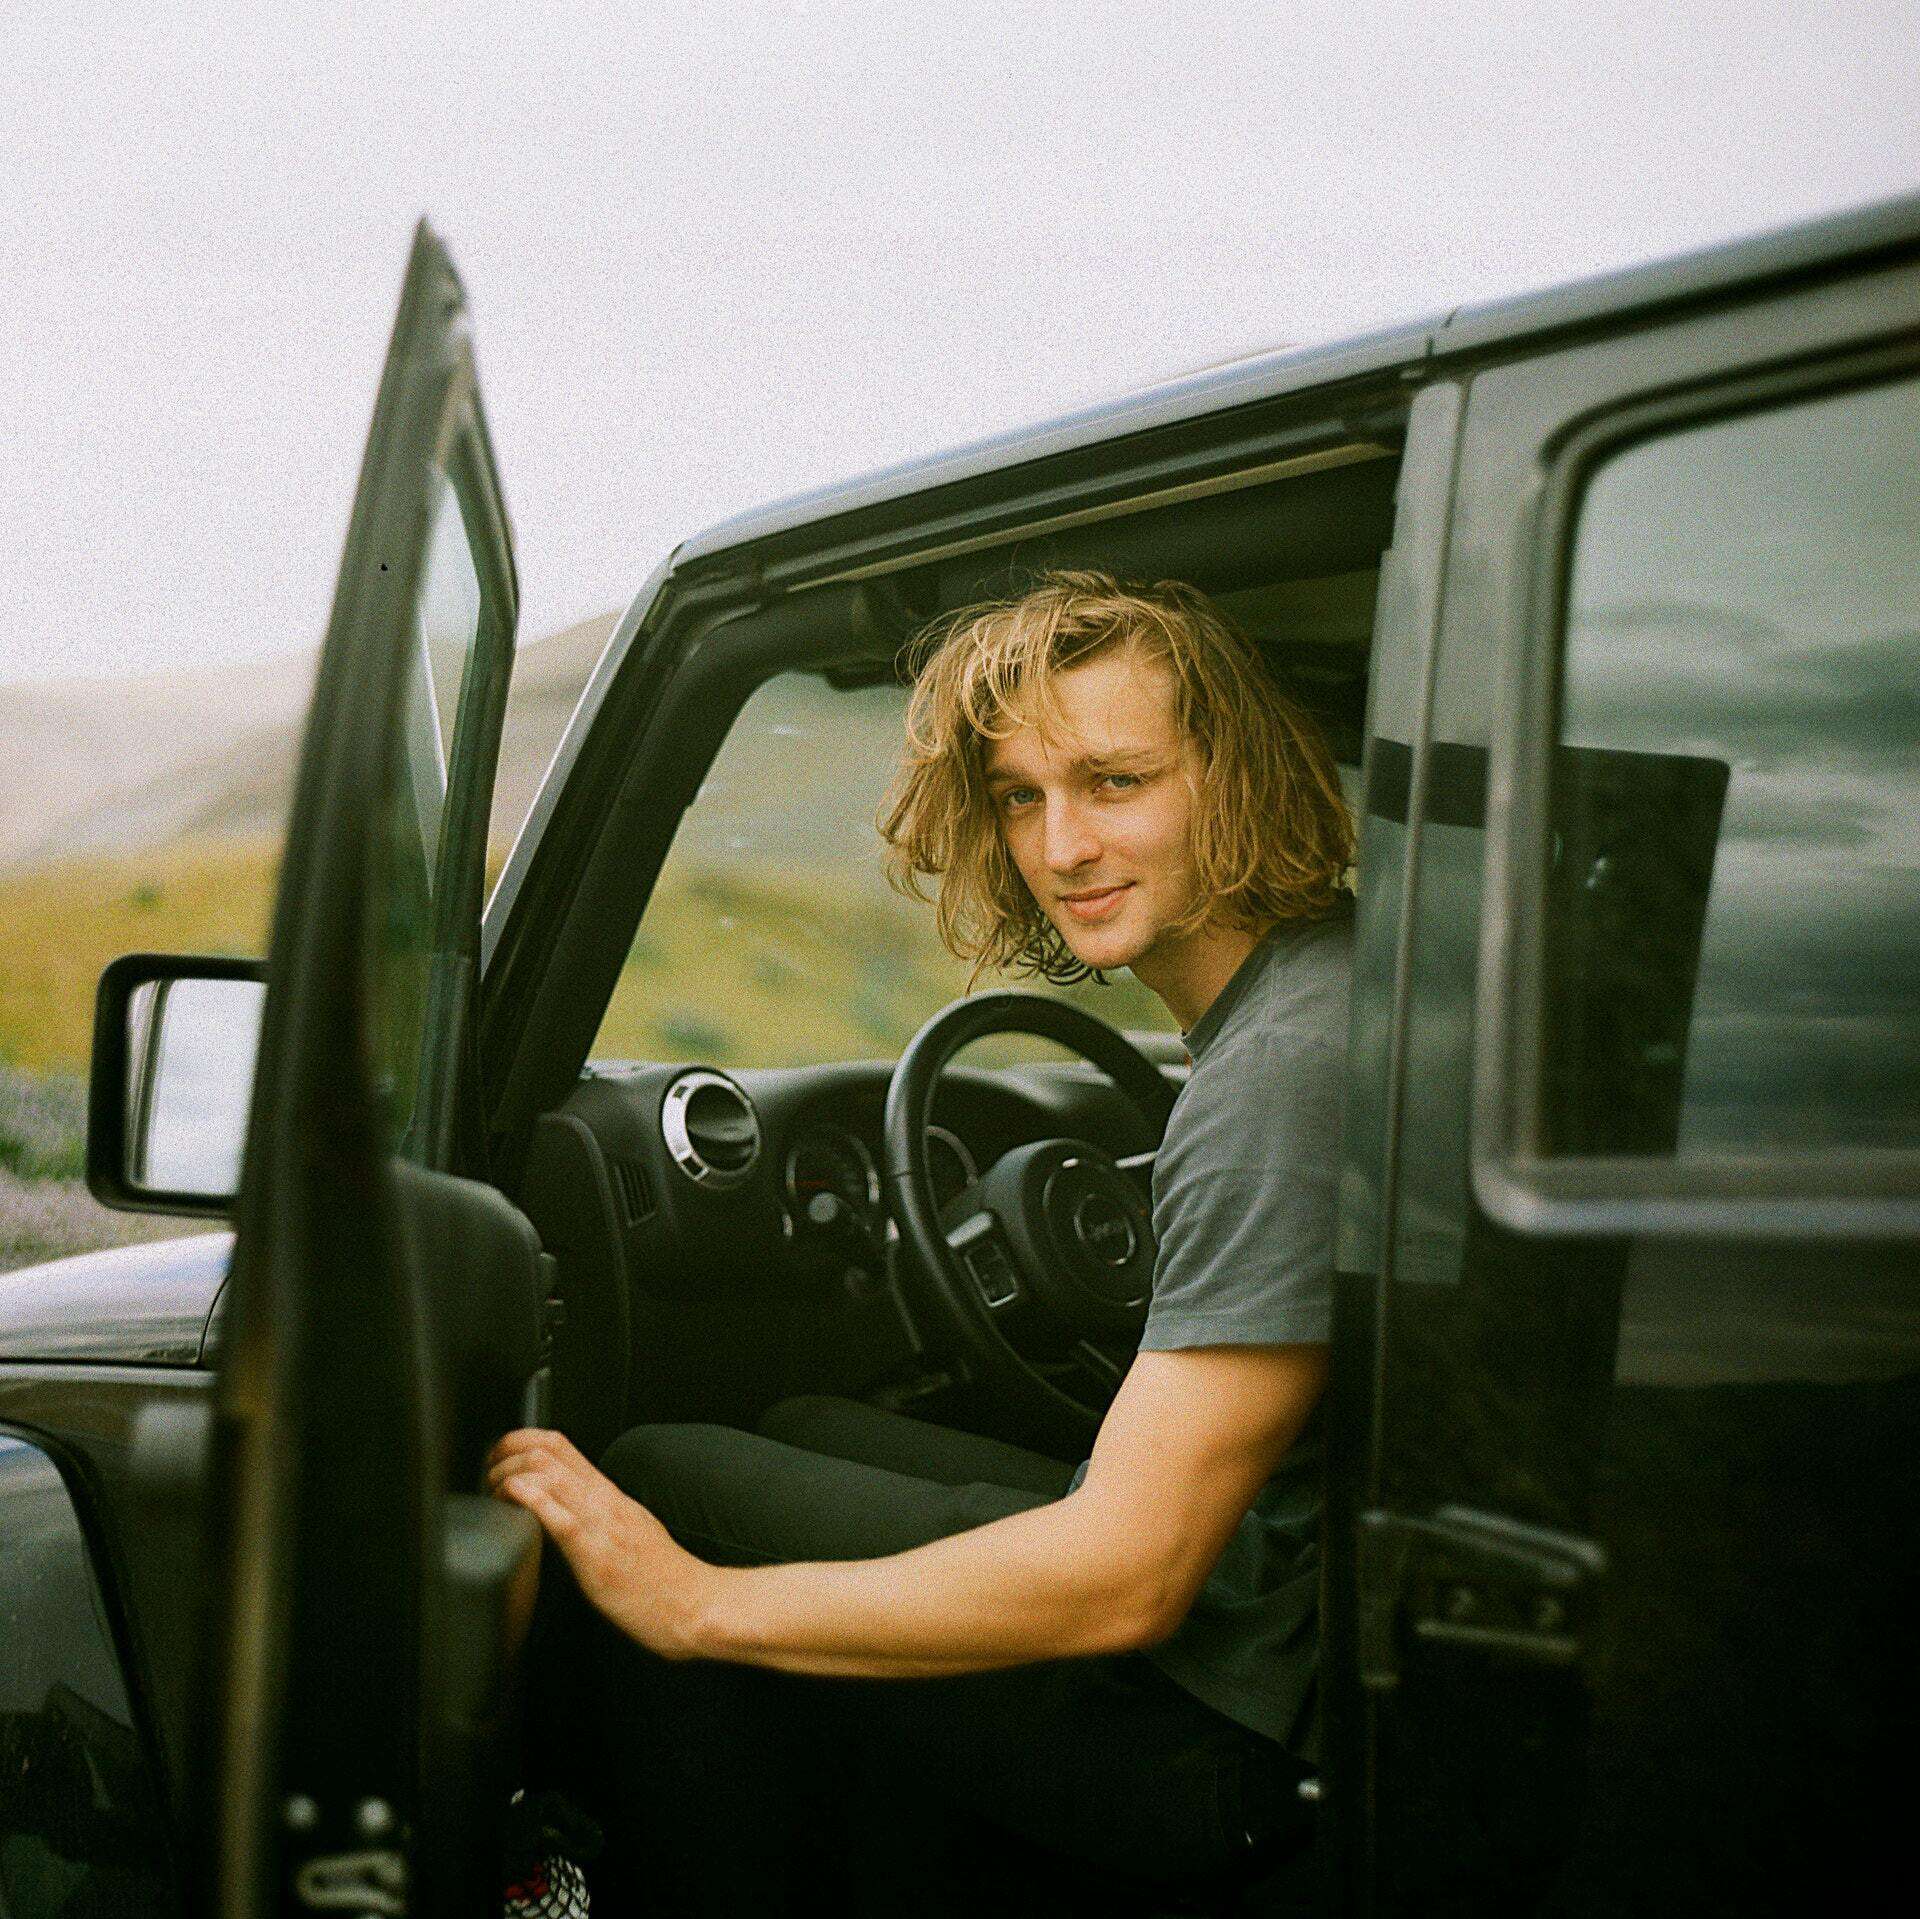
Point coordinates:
[(81, 1812), (144, 1305), (1708, 1419), (1395, 797), (130, 1504)]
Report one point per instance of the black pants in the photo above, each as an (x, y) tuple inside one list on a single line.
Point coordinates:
[(1050, 1787)]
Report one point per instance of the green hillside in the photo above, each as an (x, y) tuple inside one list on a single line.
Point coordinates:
[(61, 923)]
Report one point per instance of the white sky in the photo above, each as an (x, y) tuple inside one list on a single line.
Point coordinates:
[(719, 253)]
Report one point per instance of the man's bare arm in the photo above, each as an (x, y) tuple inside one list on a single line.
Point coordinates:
[(1115, 1565)]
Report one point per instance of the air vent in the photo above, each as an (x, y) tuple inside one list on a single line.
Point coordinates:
[(636, 1196), (711, 1129)]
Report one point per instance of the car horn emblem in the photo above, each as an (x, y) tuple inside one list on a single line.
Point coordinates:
[(1103, 1228)]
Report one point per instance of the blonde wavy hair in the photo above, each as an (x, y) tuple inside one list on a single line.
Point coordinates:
[(1271, 836)]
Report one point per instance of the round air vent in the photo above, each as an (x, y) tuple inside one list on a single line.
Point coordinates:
[(711, 1129)]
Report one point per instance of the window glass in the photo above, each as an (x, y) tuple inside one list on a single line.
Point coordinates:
[(446, 621), (773, 937), (82, 1825), (440, 644), (1732, 956)]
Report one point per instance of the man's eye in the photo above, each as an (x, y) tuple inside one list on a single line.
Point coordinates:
[(1012, 796), (1120, 782)]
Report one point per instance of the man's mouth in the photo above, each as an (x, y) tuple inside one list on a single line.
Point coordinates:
[(1095, 903)]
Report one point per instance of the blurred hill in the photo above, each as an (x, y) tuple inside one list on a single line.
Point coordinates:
[(110, 768), (87, 761)]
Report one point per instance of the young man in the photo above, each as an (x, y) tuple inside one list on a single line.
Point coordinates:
[(1118, 1659)]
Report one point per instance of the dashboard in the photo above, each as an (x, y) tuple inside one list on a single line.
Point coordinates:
[(831, 1172), (750, 1170), (722, 1237)]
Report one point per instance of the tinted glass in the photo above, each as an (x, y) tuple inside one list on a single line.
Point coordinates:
[(1733, 930), (81, 1827)]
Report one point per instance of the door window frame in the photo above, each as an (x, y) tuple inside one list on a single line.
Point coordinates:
[(458, 864), (1838, 1193)]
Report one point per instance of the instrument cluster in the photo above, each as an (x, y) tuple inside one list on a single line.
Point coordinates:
[(832, 1177)]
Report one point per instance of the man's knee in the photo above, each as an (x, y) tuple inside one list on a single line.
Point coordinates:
[(804, 1420), (670, 1468)]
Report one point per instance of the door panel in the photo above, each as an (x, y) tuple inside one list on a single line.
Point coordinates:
[(1399, 691), (332, 1421), (1715, 1416)]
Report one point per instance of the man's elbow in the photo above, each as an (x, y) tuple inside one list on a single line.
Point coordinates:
[(1127, 1599), (1151, 1612)]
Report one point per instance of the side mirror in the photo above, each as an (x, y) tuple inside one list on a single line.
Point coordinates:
[(174, 1041)]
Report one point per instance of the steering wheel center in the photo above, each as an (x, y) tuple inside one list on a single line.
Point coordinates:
[(1099, 1228), (1103, 1230)]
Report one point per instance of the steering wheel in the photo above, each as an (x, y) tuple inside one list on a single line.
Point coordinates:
[(1047, 1258)]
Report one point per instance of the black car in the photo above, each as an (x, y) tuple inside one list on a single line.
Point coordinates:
[(1610, 599)]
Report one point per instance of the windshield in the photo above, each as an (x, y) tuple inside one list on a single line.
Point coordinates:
[(773, 937)]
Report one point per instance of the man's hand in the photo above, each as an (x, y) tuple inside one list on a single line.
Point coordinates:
[(625, 1561)]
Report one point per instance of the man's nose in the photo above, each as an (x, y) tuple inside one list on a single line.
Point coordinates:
[(1070, 839)]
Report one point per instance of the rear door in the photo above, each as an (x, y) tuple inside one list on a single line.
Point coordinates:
[(1635, 1543), (331, 1436)]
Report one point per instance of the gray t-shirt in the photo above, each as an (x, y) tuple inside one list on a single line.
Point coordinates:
[(1243, 1209)]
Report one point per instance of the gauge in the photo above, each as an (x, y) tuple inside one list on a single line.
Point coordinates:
[(833, 1161), (951, 1164)]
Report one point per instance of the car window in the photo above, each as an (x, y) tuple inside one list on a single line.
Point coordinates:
[(400, 950), (1733, 909), (773, 937), (446, 624)]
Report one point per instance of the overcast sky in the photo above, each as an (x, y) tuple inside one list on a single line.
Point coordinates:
[(720, 253)]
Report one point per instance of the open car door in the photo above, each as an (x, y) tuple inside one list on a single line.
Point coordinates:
[(349, 1663)]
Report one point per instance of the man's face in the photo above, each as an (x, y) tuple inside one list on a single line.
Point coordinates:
[(1097, 815)]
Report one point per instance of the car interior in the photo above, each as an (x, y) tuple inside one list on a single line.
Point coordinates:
[(723, 1209), (721, 1225)]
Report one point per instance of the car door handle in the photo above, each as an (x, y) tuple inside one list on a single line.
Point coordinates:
[(1472, 1581)]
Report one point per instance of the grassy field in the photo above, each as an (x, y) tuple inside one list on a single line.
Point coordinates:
[(60, 925), (46, 1211)]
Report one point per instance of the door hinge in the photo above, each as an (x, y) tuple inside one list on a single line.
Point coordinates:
[(1475, 1582)]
